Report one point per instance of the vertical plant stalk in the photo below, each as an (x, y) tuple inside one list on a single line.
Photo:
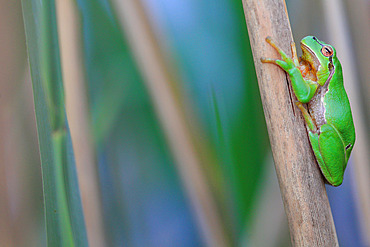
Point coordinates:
[(7, 232), (301, 183), (78, 116), (12, 61), (338, 30), (63, 212), (268, 213), (161, 83), (358, 12)]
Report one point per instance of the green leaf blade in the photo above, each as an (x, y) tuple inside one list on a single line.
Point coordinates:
[(63, 211)]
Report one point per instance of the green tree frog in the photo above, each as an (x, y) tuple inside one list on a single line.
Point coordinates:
[(317, 82)]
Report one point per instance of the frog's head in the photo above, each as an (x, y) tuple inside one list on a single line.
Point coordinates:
[(320, 56)]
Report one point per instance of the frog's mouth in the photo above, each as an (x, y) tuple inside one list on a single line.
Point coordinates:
[(309, 56)]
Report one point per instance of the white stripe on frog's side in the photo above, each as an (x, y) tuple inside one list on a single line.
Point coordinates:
[(316, 106)]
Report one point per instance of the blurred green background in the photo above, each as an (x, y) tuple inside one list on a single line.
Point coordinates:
[(135, 186)]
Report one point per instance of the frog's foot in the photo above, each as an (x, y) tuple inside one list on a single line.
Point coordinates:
[(270, 60), (283, 55), (272, 43), (286, 63), (307, 117), (314, 140)]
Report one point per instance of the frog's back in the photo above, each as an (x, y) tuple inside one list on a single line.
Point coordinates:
[(339, 113)]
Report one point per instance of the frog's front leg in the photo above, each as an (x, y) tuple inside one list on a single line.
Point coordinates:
[(303, 89), (286, 63)]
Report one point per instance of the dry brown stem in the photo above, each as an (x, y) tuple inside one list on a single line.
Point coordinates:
[(301, 183)]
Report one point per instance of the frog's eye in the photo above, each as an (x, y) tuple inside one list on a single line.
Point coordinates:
[(327, 51)]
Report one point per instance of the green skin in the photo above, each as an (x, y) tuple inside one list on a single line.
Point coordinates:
[(317, 81)]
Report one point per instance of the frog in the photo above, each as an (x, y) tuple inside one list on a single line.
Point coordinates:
[(317, 82)]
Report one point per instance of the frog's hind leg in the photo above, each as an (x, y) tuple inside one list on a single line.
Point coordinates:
[(307, 117), (329, 151), (314, 140), (327, 147)]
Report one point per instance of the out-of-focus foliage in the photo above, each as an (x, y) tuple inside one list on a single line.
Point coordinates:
[(214, 60), (219, 79), (141, 192), (21, 212), (65, 224)]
